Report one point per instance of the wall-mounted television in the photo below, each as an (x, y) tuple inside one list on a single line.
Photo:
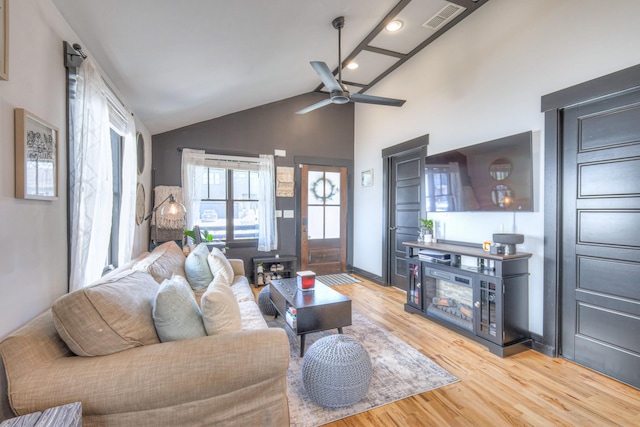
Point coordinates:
[(491, 176)]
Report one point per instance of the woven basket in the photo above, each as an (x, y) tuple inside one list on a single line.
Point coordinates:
[(336, 371)]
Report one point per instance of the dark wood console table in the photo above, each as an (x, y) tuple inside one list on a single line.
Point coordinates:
[(480, 295)]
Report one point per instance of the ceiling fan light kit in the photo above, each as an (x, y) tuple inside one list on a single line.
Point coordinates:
[(338, 93)]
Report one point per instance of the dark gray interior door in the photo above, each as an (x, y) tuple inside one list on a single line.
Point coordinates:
[(405, 201), (600, 276)]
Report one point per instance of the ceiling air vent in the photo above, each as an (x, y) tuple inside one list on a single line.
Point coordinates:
[(445, 15)]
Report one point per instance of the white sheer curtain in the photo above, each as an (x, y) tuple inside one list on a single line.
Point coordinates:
[(90, 178), (267, 225), (192, 170), (128, 203)]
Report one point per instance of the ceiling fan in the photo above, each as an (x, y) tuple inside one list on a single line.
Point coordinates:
[(338, 93)]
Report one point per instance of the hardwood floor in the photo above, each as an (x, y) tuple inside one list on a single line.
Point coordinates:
[(527, 389)]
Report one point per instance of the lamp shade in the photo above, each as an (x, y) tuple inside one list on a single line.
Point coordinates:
[(173, 209)]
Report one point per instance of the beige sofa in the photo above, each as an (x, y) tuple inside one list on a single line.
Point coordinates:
[(236, 378)]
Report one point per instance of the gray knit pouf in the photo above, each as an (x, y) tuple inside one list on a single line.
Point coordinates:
[(264, 302), (336, 371)]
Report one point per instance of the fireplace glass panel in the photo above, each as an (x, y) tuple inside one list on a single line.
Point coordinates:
[(449, 298)]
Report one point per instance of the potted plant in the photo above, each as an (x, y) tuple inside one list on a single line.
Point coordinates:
[(205, 236), (426, 229)]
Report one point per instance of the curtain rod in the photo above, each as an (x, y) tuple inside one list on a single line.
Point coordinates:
[(112, 93), (73, 59), (227, 158)]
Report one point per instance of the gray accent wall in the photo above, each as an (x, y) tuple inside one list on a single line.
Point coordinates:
[(326, 134)]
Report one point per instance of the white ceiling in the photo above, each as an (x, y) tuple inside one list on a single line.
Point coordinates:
[(183, 62)]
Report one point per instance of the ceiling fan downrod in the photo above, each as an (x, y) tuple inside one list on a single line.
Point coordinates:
[(338, 24)]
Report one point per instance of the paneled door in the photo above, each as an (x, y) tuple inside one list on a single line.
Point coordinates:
[(600, 268), (406, 173), (323, 199)]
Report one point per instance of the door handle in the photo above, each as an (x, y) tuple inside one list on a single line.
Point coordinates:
[(393, 228)]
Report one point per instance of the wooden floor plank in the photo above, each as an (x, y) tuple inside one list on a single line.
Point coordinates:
[(527, 389)]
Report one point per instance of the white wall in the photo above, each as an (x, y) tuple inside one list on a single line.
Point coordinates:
[(484, 81), (33, 253)]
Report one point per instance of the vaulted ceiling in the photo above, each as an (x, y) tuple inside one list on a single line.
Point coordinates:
[(179, 63)]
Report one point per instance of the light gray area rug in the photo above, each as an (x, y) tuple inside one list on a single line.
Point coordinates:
[(337, 279), (399, 371)]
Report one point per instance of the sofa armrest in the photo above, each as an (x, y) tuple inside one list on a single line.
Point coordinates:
[(238, 267), (156, 376)]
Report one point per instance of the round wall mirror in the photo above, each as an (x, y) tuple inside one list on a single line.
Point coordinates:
[(140, 205), (502, 196), (500, 169), (140, 152)]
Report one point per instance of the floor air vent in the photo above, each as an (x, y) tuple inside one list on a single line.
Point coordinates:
[(445, 15)]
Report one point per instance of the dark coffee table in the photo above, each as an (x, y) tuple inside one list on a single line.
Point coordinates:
[(317, 310)]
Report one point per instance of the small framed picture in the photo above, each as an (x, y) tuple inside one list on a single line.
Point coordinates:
[(4, 40), (36, 157), (367, 178)]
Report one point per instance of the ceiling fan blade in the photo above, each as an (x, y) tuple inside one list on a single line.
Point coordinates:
[(370, 99), (326, 75), (315, 106)]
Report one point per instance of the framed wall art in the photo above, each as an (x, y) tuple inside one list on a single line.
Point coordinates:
[(284, 181), (4, 40), (367, 178), (36, 157)]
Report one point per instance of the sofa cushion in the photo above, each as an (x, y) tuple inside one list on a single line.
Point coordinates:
[(220, 310), (196, 267), (252, 318), (176, 314), (242, 290), (163, 262), (109, 316), (220, 265)]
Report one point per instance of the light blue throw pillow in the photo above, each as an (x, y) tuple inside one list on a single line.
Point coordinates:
[(197, 268), (176, 314)]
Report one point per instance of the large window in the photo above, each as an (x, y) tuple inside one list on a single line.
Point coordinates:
[(116, 166), (229, 205), (231, 197)]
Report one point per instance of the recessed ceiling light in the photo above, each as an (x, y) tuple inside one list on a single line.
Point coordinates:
[(352, 65), (393, 26)]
